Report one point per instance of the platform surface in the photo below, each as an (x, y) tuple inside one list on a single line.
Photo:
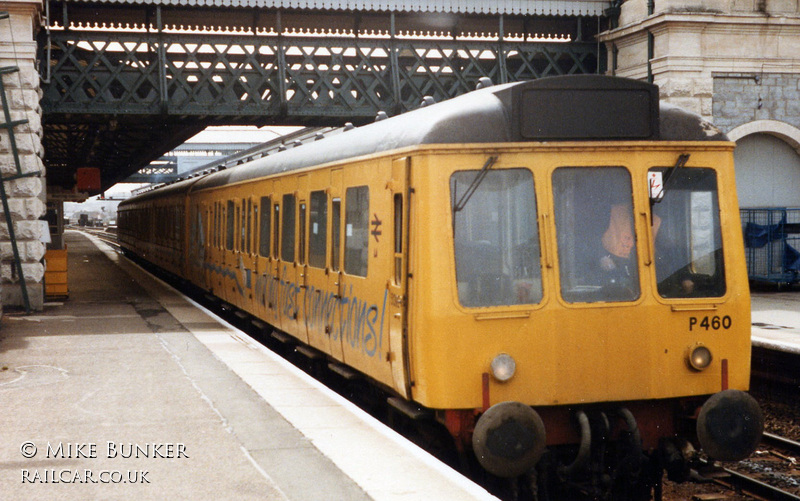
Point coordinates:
[(128, 367), (775, 320)]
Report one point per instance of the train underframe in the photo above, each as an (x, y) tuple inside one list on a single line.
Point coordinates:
[(604, 451)]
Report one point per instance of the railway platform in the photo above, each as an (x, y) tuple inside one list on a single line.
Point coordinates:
[(775, 320), (129, 390)]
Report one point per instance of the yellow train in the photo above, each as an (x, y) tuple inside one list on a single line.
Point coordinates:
[(553, 270)]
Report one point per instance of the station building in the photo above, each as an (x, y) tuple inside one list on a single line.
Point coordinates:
[(735, 62)]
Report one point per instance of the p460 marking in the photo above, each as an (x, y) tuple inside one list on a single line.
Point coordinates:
[(714, 323)]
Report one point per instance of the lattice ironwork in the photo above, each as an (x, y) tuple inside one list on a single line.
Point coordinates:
[(291, 78)]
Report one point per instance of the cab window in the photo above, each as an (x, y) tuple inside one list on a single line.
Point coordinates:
[(496, 237), (595, 234), (688, 239)]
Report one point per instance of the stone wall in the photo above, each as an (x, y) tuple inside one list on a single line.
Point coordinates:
[(740, 98), (27, 196), (701, 48)]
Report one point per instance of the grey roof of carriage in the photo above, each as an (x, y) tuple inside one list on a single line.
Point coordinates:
[(518, 7), (481, 116)]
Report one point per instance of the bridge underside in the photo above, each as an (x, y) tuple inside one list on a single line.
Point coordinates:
[(122, 92)]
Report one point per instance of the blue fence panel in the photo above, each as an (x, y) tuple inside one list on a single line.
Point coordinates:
[(772, 244)]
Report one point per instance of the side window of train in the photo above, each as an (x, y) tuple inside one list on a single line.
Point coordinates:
[(318, 226), (356, 233), (595, 234), (252, 214), (217, 224), (687, 234), (230, 228), (496, 237), (336, 232), (264, 229), (215, 230), (243, 227), (301, 237), (238, 244), (276, 227), (398, 239), (288, 229)]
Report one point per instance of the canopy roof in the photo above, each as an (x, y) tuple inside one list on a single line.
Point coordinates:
[(517, 7)]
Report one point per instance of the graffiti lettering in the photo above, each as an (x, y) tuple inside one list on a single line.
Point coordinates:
[(351, 319)]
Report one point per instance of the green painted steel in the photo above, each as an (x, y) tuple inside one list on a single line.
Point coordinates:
[(293, 79)]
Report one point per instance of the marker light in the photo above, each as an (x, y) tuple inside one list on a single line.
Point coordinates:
[(699, 357), (503, 367)]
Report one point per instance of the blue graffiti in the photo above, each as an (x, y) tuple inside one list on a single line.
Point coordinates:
[(348, 318)]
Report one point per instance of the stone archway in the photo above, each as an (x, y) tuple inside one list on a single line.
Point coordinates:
[(767, 158)]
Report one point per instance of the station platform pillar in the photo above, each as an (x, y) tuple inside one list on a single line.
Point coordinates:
[(21, 164)]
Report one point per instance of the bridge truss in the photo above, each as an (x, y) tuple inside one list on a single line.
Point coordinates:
[(140, 90)]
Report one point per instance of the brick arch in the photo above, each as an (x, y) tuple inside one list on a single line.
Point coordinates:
[(783, 131)]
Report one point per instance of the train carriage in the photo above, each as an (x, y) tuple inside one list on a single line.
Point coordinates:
[(549, 269)]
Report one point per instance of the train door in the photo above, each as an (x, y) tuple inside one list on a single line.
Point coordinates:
[(230, 263), (197, 243), (265, 283), (218, 252), (301, 260), (336, 275), (275, 286), (367, 256), (289, 269), (246, 265), (397, 301), (317, 298)]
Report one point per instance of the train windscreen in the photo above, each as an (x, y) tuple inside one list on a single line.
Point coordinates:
[(688, 240), (496, 237), (595, 234)]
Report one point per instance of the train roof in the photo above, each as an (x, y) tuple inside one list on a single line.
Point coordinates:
[(578, 107)]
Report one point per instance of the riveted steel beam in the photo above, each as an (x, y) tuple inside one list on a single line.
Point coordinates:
[(299, 78), (119, 98)]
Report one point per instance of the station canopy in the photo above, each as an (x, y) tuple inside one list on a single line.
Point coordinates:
[(515, 7)]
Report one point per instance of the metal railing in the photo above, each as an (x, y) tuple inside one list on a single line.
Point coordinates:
[(772, 244)]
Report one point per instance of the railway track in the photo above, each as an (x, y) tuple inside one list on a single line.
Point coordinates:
[(109, 237), (771, 475)]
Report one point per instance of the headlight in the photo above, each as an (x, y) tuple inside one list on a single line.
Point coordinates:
[(503, 367), (699, 357)]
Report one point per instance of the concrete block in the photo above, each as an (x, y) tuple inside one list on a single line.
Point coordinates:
[(677, 87), (16, 206), (26, 143), (28, 230), (26, 187), (706, 107), (34, 208), (11, 295), (6, 251), (35, 251), (703, 87)]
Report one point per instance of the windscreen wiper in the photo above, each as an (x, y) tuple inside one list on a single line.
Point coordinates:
[(682, 159), (462, 202)]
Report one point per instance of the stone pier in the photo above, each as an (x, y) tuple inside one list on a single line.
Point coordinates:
[(26, 195)]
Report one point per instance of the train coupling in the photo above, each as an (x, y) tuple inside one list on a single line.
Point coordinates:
[(729, 425)]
